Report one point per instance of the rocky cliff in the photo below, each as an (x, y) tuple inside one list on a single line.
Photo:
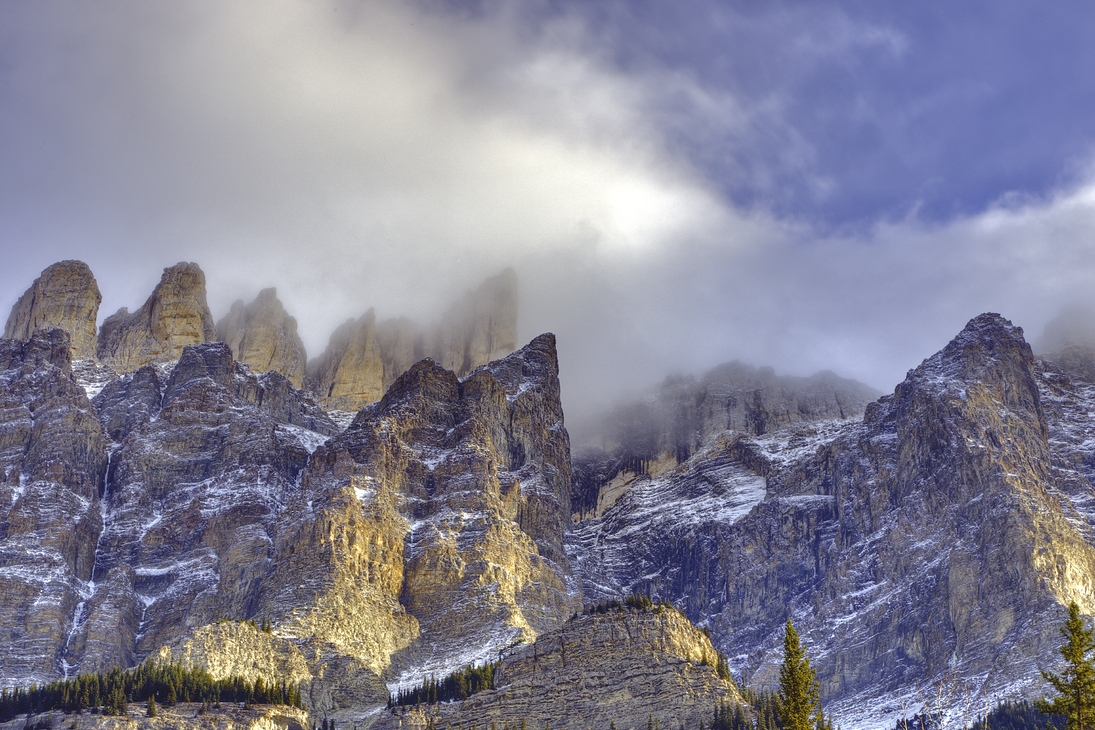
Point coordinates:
[(438, 515), (53, 461), (365, 357), (264, 337), (65, 296), (935, 538), (176, 315), (624, 668)]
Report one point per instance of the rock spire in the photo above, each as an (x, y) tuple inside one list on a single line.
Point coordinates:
[(365, 357), (64, 296), (264, 337), (176, 315)]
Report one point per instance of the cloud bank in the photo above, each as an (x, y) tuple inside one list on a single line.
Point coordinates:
[(394, 154)]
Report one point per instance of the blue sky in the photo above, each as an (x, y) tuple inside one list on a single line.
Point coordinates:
[(805, 184)]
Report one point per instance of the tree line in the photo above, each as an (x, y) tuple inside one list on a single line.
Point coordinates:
[(459, 685), (110, 693)]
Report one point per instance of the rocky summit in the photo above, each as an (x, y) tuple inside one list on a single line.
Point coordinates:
[(188, 496), (933, 541), (175, 316), (64, 296), (264, 337)]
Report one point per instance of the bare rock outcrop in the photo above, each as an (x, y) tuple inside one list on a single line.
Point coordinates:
[(264, 337), (364, 357), (624, 668), (64, 296), (350, 372), (176, 315), (52, 462)]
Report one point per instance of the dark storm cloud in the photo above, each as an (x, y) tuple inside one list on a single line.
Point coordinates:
[(848, 112), (806, 185)]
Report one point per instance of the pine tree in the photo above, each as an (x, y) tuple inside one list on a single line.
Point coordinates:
[(150, 709), (1076, 685), (798, 694)]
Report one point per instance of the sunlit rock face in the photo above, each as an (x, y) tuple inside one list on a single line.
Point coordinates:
[(438, 515), (364, 357), (183, 716), (65, 296), (176, 315), (625, 667), (53, 460), (350, 372), (264, 337), (939, 535)]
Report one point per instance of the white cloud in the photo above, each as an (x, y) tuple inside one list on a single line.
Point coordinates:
[(382, 155)]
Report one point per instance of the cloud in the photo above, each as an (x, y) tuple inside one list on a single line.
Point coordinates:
[(393, 154)]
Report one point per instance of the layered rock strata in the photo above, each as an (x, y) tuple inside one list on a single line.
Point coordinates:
[(624, 668), (364, 357), (176, 315), (65, 296), (429, 531), (933, 539), (264, 337), (53, 462)]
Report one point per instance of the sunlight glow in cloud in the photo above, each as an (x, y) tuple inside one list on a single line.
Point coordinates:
[(392, 155)]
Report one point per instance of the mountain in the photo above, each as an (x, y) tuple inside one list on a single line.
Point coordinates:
[(174, 316), (264, 337), (158, 498), (426, 534), (934, 541), (65, 296)]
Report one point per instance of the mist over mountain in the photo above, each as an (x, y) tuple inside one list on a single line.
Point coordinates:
[(165, 493)]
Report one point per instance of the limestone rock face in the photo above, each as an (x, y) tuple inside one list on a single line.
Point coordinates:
[(438, 515), (428, 532), (350, 373), (200, 466), (365, 357), (263, 337), (238, 649), (53, 460), (64, 296), (622, 667), (937, 535), (176, 315)]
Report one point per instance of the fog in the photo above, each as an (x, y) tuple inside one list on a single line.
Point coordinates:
[(396, 154)]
